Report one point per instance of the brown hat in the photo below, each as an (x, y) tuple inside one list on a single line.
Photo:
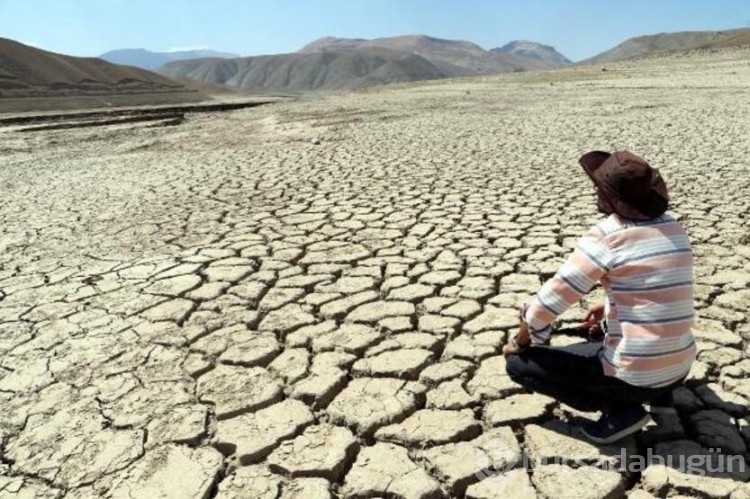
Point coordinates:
[(627, 183)]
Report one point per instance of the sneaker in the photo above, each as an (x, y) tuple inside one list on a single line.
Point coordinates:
[(614, 425), (663, 404)]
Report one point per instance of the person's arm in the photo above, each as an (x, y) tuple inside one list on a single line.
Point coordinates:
[(589, 262)]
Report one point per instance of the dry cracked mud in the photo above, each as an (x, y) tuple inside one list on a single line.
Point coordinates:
[(228, 308)]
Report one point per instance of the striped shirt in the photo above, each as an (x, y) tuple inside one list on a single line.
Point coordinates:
[(646, 269)]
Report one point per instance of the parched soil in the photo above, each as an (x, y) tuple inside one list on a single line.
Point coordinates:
[(309, 299)]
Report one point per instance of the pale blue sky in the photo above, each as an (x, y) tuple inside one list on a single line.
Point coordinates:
[(578, 29)]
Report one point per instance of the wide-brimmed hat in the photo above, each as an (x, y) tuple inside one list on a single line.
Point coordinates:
[(627, 184)]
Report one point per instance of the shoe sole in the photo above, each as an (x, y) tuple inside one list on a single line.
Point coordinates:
[(620, 434)]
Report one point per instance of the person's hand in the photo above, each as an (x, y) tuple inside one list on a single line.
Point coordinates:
[(521, 343), (510, 349), (594, 315)]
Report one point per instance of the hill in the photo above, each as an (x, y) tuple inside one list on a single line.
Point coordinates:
[(532, 53), (333, 44), (27, 72), (146, 59), (453, 57), (352, 63), (645, 46), (300, 73), (35, 79)]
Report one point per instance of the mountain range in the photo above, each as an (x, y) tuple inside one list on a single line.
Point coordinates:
[(299, 73), (146, 59), (31, 77), (453, 57), (352, 63)]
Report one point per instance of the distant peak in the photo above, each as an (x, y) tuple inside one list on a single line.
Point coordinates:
[(533, 50), (522, 45), (335, 44)]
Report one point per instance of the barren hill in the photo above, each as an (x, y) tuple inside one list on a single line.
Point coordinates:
[(453, 57), (352, 63), (333, 44), (533, 54), (302, 72), (644, 46), (146, 59), (31, 72)]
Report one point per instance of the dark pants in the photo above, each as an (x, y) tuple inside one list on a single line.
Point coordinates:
[(574, 375)]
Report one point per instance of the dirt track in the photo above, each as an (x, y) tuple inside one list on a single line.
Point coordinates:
[(226, 308)]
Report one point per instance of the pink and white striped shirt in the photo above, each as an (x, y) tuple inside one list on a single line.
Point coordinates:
[(646, 269)]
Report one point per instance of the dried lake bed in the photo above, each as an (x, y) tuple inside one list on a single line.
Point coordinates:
[(308, 299)]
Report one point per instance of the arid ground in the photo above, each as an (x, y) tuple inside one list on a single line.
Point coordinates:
[(308, 299)]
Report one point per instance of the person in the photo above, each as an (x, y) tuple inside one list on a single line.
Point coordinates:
[(643, 259)]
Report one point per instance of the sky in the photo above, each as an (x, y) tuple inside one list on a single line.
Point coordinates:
[(577, 29)]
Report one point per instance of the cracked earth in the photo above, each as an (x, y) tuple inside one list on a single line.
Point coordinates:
[(309, 299)]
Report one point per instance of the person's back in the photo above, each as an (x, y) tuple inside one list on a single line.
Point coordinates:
[(642, 257), (650, 311)]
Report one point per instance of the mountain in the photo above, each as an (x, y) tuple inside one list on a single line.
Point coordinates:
[(333, 44), (300, 73), (352, 63), (146, 59), (645, 46), (27, 71), (452, 57), (532, 52)]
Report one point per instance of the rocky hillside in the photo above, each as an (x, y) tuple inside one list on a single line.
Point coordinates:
[(31, 72), (299, 73), (353, 63), (645, 46), (532, 53), (455, 57)]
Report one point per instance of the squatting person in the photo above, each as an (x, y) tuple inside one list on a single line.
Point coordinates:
[(643, 260)]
